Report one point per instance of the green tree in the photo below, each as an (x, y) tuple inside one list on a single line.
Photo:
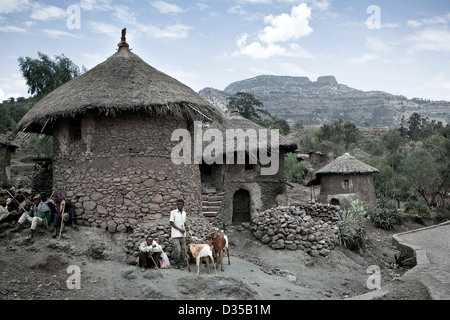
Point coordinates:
[(422, 174), (44, 75)]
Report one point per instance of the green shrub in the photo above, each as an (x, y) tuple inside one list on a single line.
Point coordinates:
[(418, 209), (351, 231)]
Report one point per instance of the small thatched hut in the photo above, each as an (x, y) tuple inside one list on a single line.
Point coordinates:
[(112, 145), (246, 187), (346, 179)]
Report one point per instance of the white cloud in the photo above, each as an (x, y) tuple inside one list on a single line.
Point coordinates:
[(8, 6), (236, 10), (282, 28), (95, 5), (45, 13), (258, 50), (431, 21), (171, 31), (57, 34), (376, 44), (363, 59), (124, 14), (107, 29), (164, 7), (287, 27), (12, 29), (430, 40)]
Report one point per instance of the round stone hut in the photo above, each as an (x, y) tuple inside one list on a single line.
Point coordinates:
[(112, 145), (346, 179)]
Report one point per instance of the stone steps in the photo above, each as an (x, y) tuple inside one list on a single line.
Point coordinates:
[(211, 201)]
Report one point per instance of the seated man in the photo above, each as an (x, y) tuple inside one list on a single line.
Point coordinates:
[(149, 249), (4, 213), (62, 204), (17, 205), (38, 216)]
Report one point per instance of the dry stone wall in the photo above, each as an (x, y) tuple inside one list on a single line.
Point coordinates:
[(308, 227)]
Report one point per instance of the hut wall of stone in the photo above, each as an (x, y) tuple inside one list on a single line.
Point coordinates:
[(119, 172), (5, 166), (356, 186), (263, 189)]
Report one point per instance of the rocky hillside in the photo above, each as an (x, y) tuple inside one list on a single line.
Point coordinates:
[(325, 100)]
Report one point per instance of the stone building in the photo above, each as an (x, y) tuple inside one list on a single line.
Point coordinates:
[(346, 179), (245, 187), (7, 147), (112, 148)]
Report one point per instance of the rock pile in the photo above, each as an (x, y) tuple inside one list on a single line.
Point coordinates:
[(160, 230), (308, 227)]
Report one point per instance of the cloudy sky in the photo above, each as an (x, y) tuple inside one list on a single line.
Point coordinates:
[(401, 47)]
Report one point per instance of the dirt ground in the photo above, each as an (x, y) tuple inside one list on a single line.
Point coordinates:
[(47, 269)]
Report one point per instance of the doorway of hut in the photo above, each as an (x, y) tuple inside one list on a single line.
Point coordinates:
[(334, 202), (241, 206)]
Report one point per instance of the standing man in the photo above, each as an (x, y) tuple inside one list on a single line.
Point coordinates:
[(178, 224), (38, 216)]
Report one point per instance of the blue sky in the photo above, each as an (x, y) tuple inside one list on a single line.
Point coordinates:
[(401, 47)]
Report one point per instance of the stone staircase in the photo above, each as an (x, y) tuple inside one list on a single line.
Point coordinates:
[(211, 201)]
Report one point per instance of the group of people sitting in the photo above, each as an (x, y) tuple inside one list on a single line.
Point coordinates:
[(40, 211)]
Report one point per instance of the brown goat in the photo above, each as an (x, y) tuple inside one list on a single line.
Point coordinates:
[(220, 242)]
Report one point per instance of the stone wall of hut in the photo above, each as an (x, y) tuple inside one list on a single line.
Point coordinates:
[(347, 188), (119, 172)]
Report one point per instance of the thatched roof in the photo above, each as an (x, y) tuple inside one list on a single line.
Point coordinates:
[(236, 121), (9, 144), (124, 82), (346, 164)]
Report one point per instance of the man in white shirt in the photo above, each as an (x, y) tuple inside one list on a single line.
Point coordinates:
[(179, 227), (147, 248)]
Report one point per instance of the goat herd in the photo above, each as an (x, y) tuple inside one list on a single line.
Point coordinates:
[(216, 244)]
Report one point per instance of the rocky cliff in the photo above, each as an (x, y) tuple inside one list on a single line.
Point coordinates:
[(325, 100)]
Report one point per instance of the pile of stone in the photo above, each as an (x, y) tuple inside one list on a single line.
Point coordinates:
[(308, 227), (160, 230)]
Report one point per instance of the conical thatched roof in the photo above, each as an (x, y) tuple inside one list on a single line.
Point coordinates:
[(346, 164), (123, 82)]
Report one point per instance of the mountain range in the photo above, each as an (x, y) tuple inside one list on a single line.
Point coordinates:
[(325, 100)]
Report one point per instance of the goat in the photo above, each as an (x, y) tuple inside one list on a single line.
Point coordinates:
[(202, 250), (220, 242)]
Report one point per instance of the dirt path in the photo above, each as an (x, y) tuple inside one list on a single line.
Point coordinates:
[(39, 270)]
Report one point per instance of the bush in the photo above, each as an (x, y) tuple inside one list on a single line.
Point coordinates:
[(385, 216), (351, 232), (417, 208)]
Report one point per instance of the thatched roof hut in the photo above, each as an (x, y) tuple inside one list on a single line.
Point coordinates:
[(112, 141), (124, 82), (345, 179), (346, 164)]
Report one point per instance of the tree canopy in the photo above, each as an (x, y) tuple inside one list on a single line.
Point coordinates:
[(44, 75)]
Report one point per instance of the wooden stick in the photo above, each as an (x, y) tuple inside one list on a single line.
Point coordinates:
[(17, 201), (156, 265), (185, 252), (62, 218)]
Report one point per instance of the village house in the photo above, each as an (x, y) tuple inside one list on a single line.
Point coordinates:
[(346, 179), (112, 146)]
